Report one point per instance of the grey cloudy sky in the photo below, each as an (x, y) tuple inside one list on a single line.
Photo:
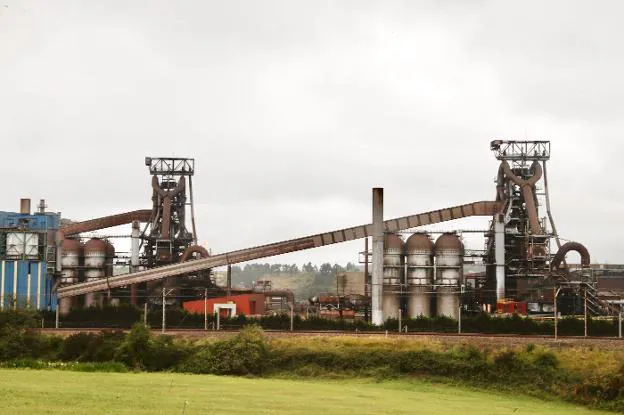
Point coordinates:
[(294, 110)]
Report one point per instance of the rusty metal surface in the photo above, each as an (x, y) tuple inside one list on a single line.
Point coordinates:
[(528, 191), (486, 208), (393, 241), (419, 242), (449, 242), (567, 247), (194, 249), (107, 222)]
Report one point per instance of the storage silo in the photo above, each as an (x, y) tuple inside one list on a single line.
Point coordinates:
[(95, 266), (449, 255), (71, 253), (392, 275), (110, 256), (419, 257)]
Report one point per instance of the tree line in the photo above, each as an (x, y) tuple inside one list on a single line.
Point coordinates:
[(250, 272)]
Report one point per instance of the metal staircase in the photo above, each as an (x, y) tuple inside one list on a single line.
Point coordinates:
[(595, 305)]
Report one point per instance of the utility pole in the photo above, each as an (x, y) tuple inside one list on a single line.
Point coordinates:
[(145, 313), (459, 311), (399, 320), (164, 306), (585, 309), (229, 281), (205, 309), (555, 294), (367, 286), (164, 295), (620, 321), (292, 318), (56, 320)]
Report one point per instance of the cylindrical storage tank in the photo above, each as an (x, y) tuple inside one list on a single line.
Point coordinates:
[(95, 267), (393, 264), (419, 257), (71, 253), (93, 274), (449, 256), (110, 256), (95, 254)]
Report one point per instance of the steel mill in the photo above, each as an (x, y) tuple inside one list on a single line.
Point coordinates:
[(411, 270)]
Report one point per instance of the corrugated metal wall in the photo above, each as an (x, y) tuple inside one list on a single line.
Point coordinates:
[(24, 284), (26, 243)]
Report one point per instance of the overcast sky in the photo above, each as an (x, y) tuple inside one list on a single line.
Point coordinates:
[(295, 110)]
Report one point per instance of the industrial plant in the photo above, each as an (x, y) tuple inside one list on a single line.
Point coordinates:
[(54, 263)]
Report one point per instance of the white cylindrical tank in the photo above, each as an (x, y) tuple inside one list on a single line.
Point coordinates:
[(95, 254), (92, 274), (419, 257), (110, 257), (449, 255), (393, 274), (71, 253), (95, 267)]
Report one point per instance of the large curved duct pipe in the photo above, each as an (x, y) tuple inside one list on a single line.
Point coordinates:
[(528, 191), (567, 247), (194, 249), (501, 195), (167, 195), (105, 222)]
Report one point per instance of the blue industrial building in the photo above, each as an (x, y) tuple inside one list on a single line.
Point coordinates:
[(28, 258)]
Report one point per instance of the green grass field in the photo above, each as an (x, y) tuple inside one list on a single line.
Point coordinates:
[(64, 392)]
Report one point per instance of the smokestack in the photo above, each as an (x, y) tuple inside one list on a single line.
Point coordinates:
[(25, 206), (499, 255), (378, 250)]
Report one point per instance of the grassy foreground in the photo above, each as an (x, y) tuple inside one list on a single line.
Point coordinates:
[(64, 392)]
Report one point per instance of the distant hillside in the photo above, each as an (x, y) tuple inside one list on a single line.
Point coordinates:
[(304, 282)]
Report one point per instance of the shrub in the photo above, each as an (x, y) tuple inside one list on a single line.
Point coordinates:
[(246, 353), (546, 361), (135, 348), (17, 340), (90, 347), (74, 346), (164, 353)]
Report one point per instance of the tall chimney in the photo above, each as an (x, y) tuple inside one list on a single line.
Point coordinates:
[(25, 206), (378, 250)]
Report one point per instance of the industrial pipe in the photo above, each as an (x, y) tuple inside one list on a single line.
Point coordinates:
[(567, 247), (105, 222), (194, 249), (483, 208), (167, 195), (528, 191)]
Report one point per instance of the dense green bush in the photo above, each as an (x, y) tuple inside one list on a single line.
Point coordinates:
[(17, 340), (244, 354), (139, 350), (91, 347), (164, 353), (532, 369), (134, 350)]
